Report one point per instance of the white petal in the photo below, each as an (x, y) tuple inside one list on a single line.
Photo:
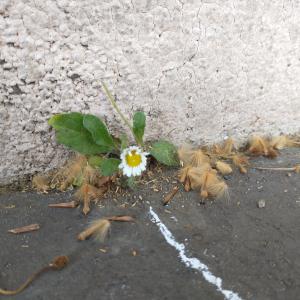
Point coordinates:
[(136, 171), (128, 172)]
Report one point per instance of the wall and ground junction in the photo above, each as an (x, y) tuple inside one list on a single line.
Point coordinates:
[(201, 70)]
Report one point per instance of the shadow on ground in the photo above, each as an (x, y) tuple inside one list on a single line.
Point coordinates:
[(255, 251)]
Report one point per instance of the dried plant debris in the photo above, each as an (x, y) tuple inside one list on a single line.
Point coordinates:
[(24, 229), (70, 204), (223, 167), (283, 141), (241, 161), (170, 195), (202, 170), (100, 228), (121, 219), (261, 146), (41, 183), (200, 166), (198, 158), (71, 174), (212, 186), (204, 179), (58, 263), (185, 153), (224, 150), (295, 169), (228, 146), (77, 172), (88, 193)]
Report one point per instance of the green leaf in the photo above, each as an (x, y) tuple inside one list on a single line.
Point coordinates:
[(80, 141), (165, 153), (71, 133), (72, 121), (98, 131), (139, 123), (95, 161), (109, 166)]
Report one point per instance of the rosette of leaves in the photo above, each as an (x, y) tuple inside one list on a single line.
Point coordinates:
[(89, 135)]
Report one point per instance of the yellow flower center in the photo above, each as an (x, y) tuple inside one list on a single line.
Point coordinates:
[(133, 159)]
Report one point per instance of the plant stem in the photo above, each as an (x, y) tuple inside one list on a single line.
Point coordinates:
[(114, 104), (274, 168)]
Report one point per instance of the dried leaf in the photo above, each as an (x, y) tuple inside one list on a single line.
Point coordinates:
[(28, 228)]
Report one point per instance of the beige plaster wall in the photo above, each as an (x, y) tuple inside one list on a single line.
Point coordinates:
[(201, 70)]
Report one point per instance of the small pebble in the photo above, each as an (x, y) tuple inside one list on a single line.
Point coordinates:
[(261, 203)]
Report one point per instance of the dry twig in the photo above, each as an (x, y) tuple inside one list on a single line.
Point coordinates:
[(57, 264), (170, 195), (71, 204), (24, 229)]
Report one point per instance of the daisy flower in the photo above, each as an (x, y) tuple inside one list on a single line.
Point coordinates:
[(134, 161)]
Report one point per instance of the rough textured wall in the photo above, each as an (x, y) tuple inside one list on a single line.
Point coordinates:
[(201, 70)]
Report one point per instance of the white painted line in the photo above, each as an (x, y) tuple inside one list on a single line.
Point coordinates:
[(191, 262)]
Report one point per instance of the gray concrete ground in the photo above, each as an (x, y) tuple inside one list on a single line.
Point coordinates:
[(254, 250)]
